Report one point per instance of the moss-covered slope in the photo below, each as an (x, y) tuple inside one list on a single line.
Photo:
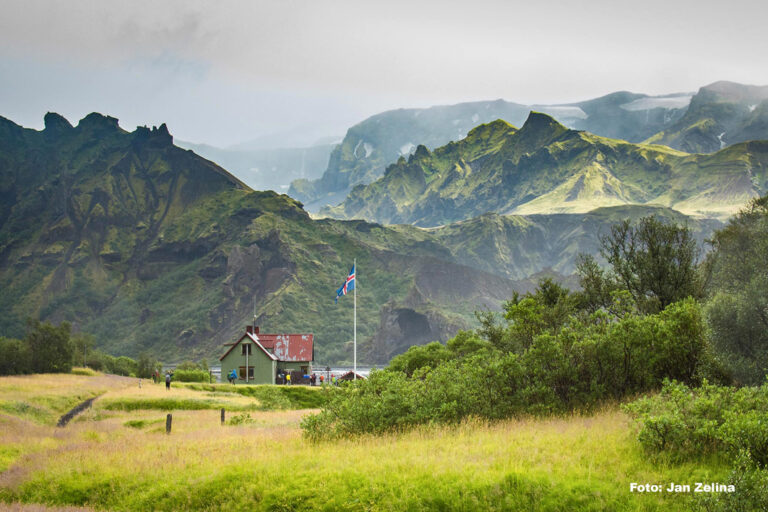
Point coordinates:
[(546, 168)]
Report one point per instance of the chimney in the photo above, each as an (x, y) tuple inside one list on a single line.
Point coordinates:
[(249, 329), (256, 329)]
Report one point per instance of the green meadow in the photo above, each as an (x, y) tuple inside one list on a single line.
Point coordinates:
[(117, 457)]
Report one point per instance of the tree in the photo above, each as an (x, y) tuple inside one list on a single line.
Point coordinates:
[(50, 347), (14, 357), (82, 344), (653, 260), (145, 366), (736, 273)]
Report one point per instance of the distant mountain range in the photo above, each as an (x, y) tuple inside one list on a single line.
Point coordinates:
[(151, 247), (545, 168), (717, 115)]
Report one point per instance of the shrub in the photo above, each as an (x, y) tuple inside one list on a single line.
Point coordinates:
[(686, 422), (570, 365), (191, 376), (88, 372)]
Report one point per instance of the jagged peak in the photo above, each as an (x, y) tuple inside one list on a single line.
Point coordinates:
[(98, 121), (158, 134), (56, 123), (538, 121), (499, 125), (421, 153)]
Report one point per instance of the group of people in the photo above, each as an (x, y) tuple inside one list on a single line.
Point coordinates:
[(156, 378), (285, 378), (334, 381)]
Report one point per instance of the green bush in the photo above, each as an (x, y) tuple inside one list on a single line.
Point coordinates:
[(191, 376), (88, 372), (554, 366), (16, 358), (688, 422)]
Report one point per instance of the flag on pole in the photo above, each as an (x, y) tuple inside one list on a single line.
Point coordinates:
[(348, 285)]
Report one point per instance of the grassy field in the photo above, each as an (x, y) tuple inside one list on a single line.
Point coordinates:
[(117, 459)]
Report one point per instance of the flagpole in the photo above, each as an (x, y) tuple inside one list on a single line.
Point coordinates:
[(354, 264)]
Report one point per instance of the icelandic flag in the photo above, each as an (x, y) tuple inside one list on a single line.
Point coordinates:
[(348, 285)]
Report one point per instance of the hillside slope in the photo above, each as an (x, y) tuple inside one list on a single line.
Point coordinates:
[(150, 247)]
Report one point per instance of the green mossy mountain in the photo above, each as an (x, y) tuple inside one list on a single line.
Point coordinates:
[(371, 145), (720, 114), (152, 248), (546, 168)]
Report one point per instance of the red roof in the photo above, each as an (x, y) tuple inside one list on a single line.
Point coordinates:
[(289, 347), (285, 347)]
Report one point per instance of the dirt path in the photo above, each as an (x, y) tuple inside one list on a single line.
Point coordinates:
[(75, 411)]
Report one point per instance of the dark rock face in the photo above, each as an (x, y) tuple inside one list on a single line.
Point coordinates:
[(401, 328), (56, 123)]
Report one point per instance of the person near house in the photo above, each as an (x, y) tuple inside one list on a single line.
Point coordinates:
[(232, 376), (288, 379), (322, 378), (167, 380), (312, 380)]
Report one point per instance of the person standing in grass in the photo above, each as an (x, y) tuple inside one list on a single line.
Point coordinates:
[(322, 378), (288, 379), (167, 380)]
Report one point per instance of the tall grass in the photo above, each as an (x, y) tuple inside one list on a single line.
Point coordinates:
[(123, 460), (558, 464)]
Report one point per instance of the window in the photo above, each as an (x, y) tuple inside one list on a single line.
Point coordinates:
[(241, 372), (246, 348)]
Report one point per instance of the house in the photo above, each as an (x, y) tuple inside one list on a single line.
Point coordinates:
[(260, 358)]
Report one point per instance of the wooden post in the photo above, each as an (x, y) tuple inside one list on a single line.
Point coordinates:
[(168, 420), (222, 416)]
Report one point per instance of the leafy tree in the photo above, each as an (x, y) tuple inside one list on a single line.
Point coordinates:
[(653, 260), (50, 346), (145, 366), (14, 357), (420, 356), (736, 273), (596, 287)]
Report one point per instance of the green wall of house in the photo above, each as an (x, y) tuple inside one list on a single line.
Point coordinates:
[(264, 368)]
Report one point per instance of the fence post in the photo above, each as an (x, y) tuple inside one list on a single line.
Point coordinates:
[(168, 420), (222, 416)]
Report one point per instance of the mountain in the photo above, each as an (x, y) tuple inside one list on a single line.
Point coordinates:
[(371, 145), (151, 247), (545, 167), (720, 114), (268, 168)]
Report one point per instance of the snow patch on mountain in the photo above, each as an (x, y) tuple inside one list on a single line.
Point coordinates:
[(668, 102)]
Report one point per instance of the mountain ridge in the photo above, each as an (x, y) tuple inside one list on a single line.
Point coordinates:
[(545, 167)]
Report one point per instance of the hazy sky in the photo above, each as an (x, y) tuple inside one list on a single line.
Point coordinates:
[(223, 72)]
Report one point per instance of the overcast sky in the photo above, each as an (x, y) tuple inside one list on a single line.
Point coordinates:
[(223, 72)]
